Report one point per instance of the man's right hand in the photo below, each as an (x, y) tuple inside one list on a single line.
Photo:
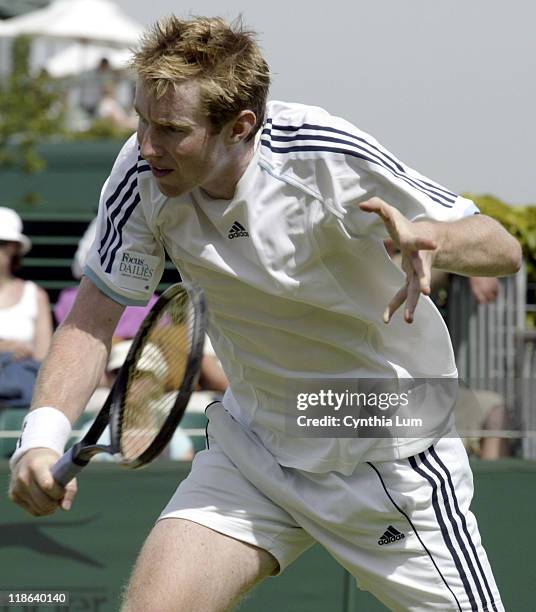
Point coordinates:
[(33, 488)]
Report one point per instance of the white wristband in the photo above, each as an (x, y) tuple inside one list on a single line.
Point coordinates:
[(42, 428)]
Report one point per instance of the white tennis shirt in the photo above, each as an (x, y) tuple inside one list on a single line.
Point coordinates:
[(295, 274)]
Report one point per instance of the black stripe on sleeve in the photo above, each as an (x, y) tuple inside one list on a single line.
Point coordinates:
[(353, 153), (111, 201), (381, 155), (120, 226)]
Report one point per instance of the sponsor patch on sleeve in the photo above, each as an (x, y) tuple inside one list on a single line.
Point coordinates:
[(134, 271)]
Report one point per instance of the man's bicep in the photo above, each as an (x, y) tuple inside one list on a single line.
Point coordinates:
[(94, 312)]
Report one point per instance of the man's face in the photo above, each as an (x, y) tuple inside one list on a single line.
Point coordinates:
[(176, 139)]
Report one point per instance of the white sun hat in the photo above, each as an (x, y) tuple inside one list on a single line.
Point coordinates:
[(11, 229)]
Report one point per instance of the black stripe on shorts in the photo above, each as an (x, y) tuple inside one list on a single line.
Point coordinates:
[(417, 535), (459, 513), (458, 545)]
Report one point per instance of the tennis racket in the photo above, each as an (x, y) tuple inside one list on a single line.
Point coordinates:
[(152, 388)]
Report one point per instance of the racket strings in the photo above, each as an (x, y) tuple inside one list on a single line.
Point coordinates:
[(155, 376)]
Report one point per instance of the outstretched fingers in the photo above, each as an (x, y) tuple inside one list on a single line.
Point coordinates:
[(414, 293), (418, 277), (397, 301), (417, 250), (423, 271)]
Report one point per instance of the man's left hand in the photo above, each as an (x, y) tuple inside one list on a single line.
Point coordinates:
[(417, 248)]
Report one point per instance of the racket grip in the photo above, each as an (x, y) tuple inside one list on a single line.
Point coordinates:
[(65, 469)]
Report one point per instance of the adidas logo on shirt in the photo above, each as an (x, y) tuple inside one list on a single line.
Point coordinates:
[(237, 231), (391, 535)]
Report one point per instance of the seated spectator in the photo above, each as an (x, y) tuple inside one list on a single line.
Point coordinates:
[(212, 383), (480, 410), (109, 108), (87, 88), (25, 321), (132, 316), (180, 447)]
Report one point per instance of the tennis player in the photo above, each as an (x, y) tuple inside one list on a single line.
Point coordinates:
[(278, 211)]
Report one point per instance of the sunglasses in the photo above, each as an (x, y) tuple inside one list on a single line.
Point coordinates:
[(4, 242)]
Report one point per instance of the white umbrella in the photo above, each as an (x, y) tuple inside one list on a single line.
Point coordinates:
[(78, 58), (88, 20)]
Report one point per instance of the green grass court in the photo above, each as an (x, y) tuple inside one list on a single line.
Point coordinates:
[(90, 550)]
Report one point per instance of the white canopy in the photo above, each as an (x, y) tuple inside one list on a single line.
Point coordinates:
[(88, 20), (79, 57)]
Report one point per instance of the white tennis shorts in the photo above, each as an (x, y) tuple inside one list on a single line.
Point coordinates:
[(402, 528)]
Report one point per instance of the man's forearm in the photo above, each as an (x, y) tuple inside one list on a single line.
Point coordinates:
[(474, 246), (70, 372)]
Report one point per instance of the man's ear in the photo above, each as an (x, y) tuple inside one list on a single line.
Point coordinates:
[(241, 126)]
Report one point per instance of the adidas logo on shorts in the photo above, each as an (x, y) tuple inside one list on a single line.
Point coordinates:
[(391, 535), (237, 231)]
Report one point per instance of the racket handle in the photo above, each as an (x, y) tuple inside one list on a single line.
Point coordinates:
[(65, 469)]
